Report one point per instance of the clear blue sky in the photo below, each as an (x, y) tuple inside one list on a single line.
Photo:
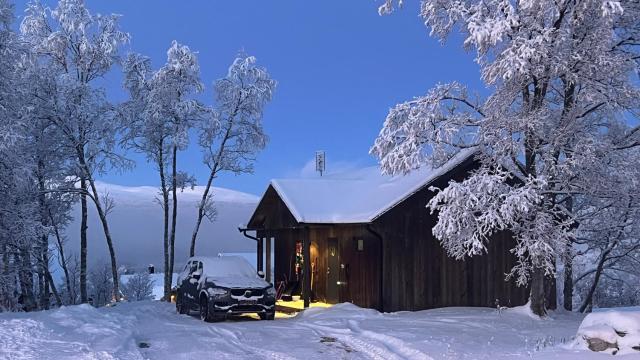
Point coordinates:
[(339, 66)]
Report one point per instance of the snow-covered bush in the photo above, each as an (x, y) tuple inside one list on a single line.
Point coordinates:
[(100, 285), (615, 332), (137, 287)]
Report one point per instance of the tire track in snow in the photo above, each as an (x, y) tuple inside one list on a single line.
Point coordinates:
[(394, 344), (233, 339), (383, 347)]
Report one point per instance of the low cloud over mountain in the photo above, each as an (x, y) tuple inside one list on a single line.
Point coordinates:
[(136, 225)]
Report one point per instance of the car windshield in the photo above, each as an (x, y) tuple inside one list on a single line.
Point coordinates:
[(226, 266)]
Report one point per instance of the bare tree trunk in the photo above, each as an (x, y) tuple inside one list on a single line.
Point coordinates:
[(26, 281), (51, 284), (107, 234), (63, 260), (537, 297), (165, 233), (568, 278), (203, 202), (212, 175), (45, 302), (83, 241), (42, 257), (174, 215), (586, 304), (42, 295), (103, 220)]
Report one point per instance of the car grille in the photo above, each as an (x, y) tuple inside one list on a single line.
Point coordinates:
[(241, 292)]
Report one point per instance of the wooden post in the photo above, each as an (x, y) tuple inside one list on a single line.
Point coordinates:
[(268, 259), (306, 274), (260, 254)]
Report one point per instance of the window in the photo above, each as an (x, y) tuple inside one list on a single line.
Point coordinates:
[(193, 267), (360, 245)]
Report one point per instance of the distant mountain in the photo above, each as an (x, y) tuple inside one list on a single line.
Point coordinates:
[(136, 225)]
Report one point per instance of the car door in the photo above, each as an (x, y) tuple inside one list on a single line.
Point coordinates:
[(190, 285)]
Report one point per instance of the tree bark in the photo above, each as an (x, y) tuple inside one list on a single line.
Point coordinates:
[(586, 304), (103, 220), (26, 281), (83, 241), (174, 215), (212, 175), (45, 302), (567, 291), (165, 233), (203, 202), (52, 285), (537, 297), (107, 234), (63, 260)]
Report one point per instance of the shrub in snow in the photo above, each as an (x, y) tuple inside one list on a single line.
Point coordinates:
[(614, 332), (100, 285), (138, 287)]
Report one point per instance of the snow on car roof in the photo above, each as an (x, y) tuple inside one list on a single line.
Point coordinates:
[(225, 266), (358, 197)]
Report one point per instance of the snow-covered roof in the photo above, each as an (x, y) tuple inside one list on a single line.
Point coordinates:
[(356, 197)]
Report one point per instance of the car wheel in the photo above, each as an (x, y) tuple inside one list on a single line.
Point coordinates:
[(180, 307), (204, 310), (267, 316)]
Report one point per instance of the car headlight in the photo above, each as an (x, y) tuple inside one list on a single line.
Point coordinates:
[(216, 291), (271, 291)]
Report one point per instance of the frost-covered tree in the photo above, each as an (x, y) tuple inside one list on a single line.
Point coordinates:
[(559, 117), (231, 137), (138, 287), (149, 132), (159, 115), (74, 48), (20, 228), (181, 76), (609, 251)]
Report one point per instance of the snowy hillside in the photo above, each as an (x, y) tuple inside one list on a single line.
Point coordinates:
[(136, 225), (153, 330)]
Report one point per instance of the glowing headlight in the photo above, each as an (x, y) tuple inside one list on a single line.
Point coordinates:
[(217, 291), (271, 291)]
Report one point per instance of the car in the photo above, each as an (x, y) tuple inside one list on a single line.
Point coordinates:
[(221, 286)]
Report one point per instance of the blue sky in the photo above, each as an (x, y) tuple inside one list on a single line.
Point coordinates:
[(339, 66)]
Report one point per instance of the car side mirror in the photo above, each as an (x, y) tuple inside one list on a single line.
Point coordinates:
[(196, 274), (261, 274)]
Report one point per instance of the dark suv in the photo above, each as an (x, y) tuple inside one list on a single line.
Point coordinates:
[(222, 286)]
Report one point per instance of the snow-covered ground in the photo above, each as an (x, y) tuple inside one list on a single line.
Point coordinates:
[(152, 330)]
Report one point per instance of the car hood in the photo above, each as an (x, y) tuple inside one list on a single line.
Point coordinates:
[(238, 282)]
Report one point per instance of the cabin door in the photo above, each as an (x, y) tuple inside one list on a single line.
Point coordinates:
[(333, 271)]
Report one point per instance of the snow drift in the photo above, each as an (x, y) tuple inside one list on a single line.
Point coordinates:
[(614, 332)]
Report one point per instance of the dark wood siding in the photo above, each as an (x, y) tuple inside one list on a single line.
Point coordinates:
[(418, 274), (271, 213)]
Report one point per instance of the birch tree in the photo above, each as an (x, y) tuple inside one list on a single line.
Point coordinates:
[(19, 225), (563, 102), (160, 113), (231, 138), (77, 48)]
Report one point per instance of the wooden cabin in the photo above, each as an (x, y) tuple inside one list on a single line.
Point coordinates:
[(366, 238)]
